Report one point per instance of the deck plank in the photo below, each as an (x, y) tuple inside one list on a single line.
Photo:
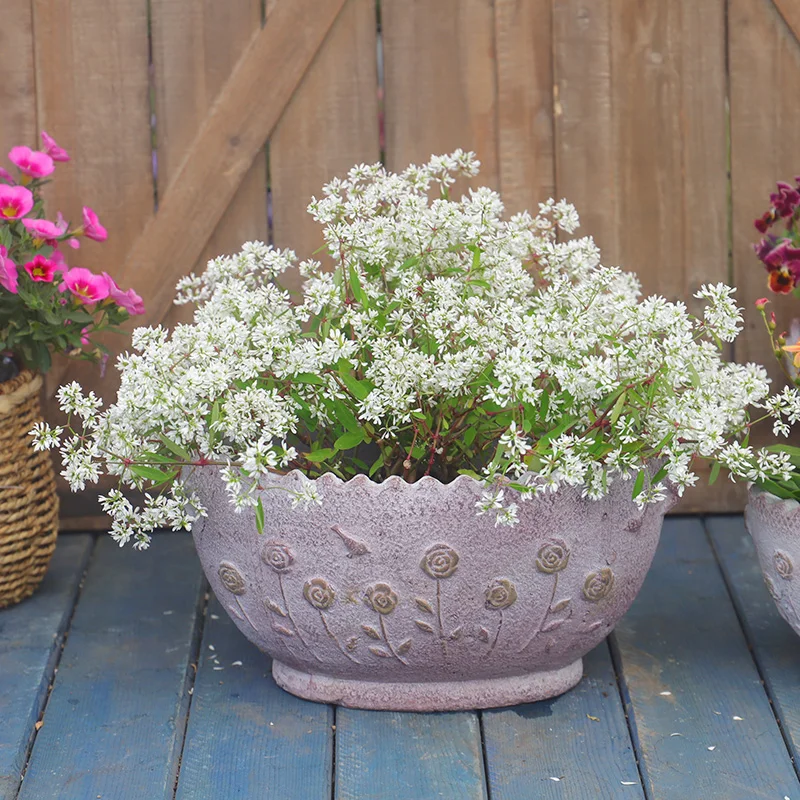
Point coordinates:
[(775, 646), (682, 636), (31, 634), (386, 755), (246, 737), (115, 719), (581, 738)]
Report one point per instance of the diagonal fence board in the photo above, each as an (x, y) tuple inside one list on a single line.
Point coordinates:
[(775, 647), (233, 132), (116, 715), (581, 738), (246, 737), (682, 636), (31, 634), (385, 755)]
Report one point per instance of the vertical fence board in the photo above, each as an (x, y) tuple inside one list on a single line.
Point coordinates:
[(195, 47), (330, 124), (18, 93), (526, 161), (765, 142), (440, 78), (586, 171), (92, 85)]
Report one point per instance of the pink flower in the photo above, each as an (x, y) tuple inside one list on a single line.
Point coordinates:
[(85, 340), (129, 300), (6, 176), (31, 162), (8, 272), (15, 202), (42, 230), (41, 269), (92, 227), (85, 285), (52, 149)]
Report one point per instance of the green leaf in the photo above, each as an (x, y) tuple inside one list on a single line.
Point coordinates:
[(377, 465), (307, 377), (346, 416), (617, 410), (317, 456), (260, 517), (175, 448), (359, 389), (349, 440), (469, 435), (152, 474), (355, 284), (544, 406), (638, 484), (714, 474)]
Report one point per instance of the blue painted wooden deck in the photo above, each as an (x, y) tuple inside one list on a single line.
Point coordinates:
[(122, 680)]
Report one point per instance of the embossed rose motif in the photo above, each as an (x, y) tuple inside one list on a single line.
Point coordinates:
[(277, 556), (319, 593), (501, 594), (382, 598), (231, 578), (771, 589), (783, 565), (598, 585), (440, 561), (553, 556)]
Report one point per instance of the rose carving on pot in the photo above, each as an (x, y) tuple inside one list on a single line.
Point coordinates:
[(552, 557), (501, 594), (598, 585), (783, 565), (319, 593), (440, 561), (231, 578), (277, 556)]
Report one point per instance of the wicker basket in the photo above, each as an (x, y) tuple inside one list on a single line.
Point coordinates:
[(28, 500)]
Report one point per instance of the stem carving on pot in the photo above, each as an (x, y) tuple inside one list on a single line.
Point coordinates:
[(380, 597)]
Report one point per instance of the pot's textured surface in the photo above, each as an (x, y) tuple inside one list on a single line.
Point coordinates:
[(774, 524), (399, 596)]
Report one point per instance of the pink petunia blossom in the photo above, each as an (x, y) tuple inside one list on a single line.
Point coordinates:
[(42, 230), (31, 162), (92, 227), (6, 176), (41, 269), (52, 149), (15, 201), (85, 285), (129, 300), (85, 340), (8, 272)]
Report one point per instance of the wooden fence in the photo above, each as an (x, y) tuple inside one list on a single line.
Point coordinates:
[(665, 121)]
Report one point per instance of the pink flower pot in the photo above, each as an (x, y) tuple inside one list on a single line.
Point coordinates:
[(774, 524), (399, 596)]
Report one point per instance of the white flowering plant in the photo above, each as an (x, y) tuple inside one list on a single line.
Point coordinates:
[(449, 339)]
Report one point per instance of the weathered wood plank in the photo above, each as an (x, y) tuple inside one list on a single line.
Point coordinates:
[(765, 139), (775, 647), (31, 634), (92, 96), (526, 158), (581, 738), (440, 80), (246, 737), (330, 124), (115, 719), (18, 125), (682, 637), (195, 47), (384, 755)]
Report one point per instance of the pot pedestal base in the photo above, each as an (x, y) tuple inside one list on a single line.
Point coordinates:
[(428, 695)]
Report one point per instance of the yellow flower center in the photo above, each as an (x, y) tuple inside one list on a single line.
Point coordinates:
[(8, 211)]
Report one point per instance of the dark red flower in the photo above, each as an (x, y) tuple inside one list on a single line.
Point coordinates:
[(785, 200), (764, 222)]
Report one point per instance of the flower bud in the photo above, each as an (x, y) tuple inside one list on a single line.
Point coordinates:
[(761, 303)]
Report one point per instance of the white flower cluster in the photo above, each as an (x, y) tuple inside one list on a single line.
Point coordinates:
[(449, 337)]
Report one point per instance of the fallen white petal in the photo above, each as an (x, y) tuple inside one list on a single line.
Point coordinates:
[(738, 718), (713, 747), (665, 694), (676, 734), (215, 616), (211, 647), (236, 664), (217, 669), (629, 783), (557, 780)]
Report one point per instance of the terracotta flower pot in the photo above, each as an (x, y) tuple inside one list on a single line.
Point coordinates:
[(774, 524), (398, 596)]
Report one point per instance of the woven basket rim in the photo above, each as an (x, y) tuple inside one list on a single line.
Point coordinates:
[(25, 376)]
